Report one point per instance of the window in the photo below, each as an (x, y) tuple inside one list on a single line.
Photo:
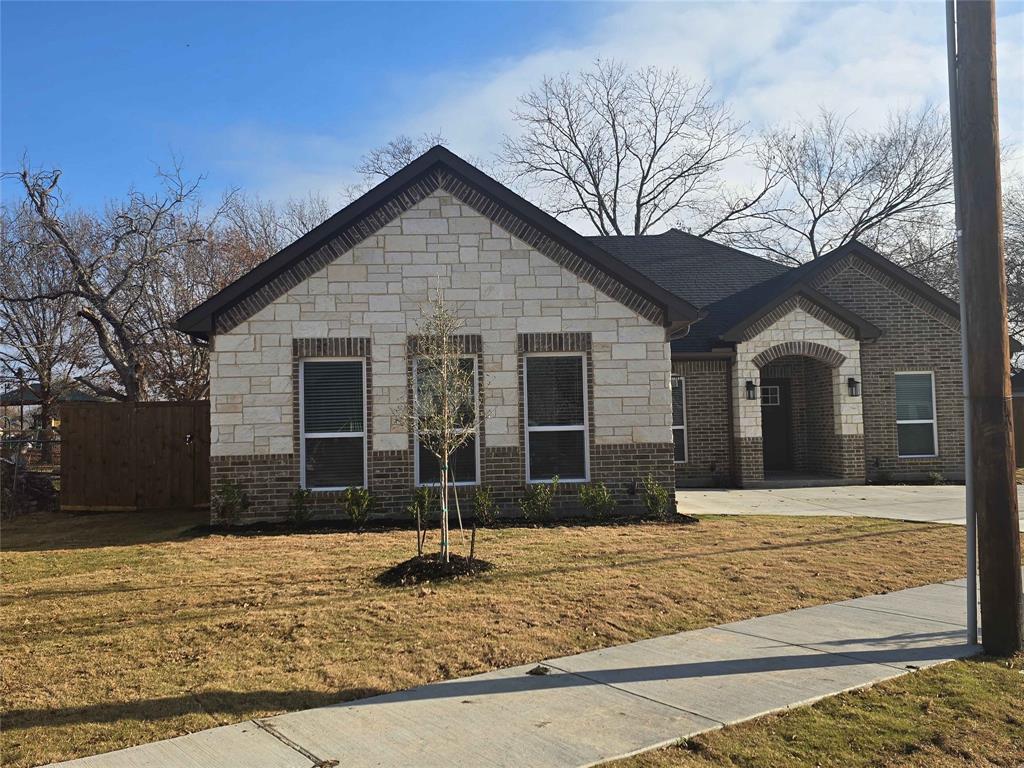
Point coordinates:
[(770, 394), (556, 417), (916, 433), (333, 424), (465, 460), (679, 417)]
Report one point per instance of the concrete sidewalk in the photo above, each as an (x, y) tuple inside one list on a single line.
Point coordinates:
[(599, 705), (915, 503)]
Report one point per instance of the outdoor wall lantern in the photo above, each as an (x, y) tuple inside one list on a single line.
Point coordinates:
[(854, 387), (751, 390)]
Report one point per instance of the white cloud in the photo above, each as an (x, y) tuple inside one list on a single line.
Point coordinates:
[(772, 61)]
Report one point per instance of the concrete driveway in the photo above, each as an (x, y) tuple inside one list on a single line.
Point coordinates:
[(918, 503)]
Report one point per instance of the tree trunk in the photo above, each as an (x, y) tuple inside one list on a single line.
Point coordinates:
[(45, 432)]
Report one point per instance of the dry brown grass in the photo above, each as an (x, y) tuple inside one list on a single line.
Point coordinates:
[(967, 713), (116, 631)]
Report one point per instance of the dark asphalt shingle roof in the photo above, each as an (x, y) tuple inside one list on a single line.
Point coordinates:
[(694, 268), (724, 282)]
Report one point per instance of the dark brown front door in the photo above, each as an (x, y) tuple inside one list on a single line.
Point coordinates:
[(776, 425)]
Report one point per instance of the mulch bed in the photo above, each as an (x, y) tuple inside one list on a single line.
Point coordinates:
[(426, 568)]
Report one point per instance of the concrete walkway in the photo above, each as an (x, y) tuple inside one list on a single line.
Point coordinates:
[(916, 503), (600, 705)]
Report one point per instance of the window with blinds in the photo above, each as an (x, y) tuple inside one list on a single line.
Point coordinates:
[(679, 418), (333, 424), (556, 417), (465, 460), (916, 429)]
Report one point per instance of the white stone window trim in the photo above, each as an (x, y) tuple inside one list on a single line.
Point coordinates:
[(584, 427), (682, 427), (934, 420), (476, 439), (302, 424)]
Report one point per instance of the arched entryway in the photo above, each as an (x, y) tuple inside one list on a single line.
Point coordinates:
[(798, 434), (800, 419)]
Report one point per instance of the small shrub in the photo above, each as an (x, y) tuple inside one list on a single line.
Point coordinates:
[(485, 508), (230, 502), (423, 499), (936, 478), (597, 500), (359, 504), (298, 510), (656, 498), (536, 505)]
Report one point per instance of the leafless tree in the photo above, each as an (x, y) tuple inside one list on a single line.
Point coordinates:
[(628, 150), (46, 337), (381, 162), (253, 229), (1013, 235), (443, 411), (836, 183), (119, 267)]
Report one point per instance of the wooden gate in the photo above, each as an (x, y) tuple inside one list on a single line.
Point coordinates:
[(131, 456)]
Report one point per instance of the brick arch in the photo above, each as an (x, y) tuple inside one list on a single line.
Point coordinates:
[(827, 355)]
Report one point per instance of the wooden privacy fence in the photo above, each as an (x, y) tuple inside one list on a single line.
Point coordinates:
[(131, 456), (1018, 429)]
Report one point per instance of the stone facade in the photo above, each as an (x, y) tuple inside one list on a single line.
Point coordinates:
[(367, 301), (795, 333)]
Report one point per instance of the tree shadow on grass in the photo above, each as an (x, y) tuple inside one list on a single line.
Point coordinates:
[(50, 531)]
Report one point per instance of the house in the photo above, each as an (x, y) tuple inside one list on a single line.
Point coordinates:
[(597, 358)]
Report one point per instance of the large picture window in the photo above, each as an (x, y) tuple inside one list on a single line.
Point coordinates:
[(916, 433), (556, 417), (333, 424), (465, 461), (679, 418)]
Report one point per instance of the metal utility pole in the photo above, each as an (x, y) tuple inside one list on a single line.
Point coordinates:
[(983, 298), (965, 363)]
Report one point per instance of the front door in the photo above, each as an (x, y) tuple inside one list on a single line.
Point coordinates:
[(776, 423)]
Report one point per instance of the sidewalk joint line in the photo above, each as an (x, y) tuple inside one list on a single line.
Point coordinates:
[(264, 726), (637, 695), (907, 615)]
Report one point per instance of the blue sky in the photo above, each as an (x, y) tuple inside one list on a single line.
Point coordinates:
[(281, 99)]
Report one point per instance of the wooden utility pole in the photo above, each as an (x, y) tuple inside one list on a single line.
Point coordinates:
[(983, 294)]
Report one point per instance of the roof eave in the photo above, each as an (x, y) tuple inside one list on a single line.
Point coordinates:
[(199, 321), (863, 329)]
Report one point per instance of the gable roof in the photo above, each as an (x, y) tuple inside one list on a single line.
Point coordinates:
[(367, 214), (730, 315), (862, 329), (30, 394)]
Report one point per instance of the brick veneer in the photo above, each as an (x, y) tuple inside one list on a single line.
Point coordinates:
[(916, 336), (271, 479), (707, 415)]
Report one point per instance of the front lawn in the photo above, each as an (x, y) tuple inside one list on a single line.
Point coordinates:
[(967, 713), (117, 631)]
